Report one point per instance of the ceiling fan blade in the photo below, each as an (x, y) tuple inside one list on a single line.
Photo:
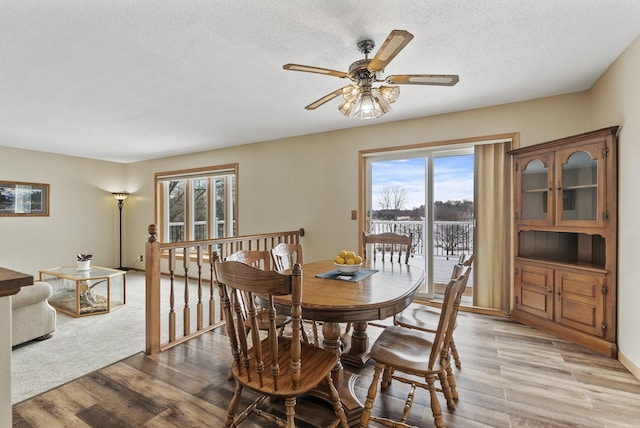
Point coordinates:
[(423, 79), (312, 69), (395, 42), (317, 103)]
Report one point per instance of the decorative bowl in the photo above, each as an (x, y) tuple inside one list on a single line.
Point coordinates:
[(347, 269)]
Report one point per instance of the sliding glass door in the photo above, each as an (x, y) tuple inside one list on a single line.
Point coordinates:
[(430, 194), (453, 215)]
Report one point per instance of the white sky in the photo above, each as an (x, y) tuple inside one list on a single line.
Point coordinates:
[(453, 178)]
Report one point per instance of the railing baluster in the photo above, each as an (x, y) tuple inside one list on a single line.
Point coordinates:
[(186, 312), (200, 309), (212, 303), (172, 314)]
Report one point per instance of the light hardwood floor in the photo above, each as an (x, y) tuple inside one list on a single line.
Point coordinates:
[(512, 376)]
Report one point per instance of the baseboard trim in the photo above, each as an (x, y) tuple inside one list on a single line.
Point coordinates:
[(635, 370), (592, 342)]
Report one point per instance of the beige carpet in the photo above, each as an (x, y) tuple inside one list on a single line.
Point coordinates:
[(80, 345)]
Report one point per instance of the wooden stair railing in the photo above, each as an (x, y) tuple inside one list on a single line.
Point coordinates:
[(186, 269)]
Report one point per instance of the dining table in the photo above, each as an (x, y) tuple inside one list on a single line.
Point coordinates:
[(379, 290)]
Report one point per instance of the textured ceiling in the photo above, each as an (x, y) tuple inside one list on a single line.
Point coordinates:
[(128, 80)]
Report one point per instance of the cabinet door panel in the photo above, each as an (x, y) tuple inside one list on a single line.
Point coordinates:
[(580, 181), (579, 301), (534, 201), (534, 290)]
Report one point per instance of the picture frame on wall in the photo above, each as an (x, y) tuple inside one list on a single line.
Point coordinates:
[(19, 198)]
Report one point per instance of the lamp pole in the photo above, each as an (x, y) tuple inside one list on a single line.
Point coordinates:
[(120, 197)]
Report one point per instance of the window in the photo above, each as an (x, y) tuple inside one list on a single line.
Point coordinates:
[(196, 204)]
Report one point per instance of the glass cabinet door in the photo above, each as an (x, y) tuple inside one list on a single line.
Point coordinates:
[(580, 180), (536, 196)]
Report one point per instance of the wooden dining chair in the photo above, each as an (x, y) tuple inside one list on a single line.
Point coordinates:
[(275, 367), (388, 244), (390, 247), (284, 256), (418, 355), (259, 260), (425, 318)]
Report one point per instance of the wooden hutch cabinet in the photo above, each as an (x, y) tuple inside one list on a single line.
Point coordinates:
[(565, 208)]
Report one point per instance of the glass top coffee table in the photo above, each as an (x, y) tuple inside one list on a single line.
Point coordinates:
[(95, 291)]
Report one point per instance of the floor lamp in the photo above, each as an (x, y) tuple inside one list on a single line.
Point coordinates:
[(120, 197)]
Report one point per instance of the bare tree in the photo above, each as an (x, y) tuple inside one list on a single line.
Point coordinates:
[(450, 237), (392, 199)]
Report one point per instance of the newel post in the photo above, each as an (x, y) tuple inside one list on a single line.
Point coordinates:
[(152, 283)]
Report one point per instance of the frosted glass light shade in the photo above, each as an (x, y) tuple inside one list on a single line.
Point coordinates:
[(367, 107)]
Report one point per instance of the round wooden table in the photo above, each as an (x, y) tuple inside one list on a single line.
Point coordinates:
[(379, 296)]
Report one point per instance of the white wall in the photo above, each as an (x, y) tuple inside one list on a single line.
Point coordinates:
[(615, 99), (83, 213)]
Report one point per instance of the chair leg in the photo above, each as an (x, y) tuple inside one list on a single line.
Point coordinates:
[(454, 352), (314, 326), (335, 402), (452, 383), (233, 406), (290, 404), (446, 390), (371, 395), (435, 404), (408, 403), (386, 378)]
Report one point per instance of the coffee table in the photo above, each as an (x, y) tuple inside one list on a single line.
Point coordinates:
[(94, 291)]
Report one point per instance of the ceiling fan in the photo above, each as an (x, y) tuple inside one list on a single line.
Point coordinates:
[(363, 99)]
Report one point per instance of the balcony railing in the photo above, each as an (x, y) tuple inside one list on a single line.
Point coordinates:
[(450, 238)]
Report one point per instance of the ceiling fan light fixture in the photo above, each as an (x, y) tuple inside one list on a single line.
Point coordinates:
[(346, 107), (385, 105), (390, 93), (350, 93), (369, 105)]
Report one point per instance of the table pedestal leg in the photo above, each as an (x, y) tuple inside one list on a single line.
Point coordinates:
[(357, 350), (352, 407)]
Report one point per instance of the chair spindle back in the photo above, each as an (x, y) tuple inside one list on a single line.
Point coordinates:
[(388, 244), (247, 347), (286, 255)]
